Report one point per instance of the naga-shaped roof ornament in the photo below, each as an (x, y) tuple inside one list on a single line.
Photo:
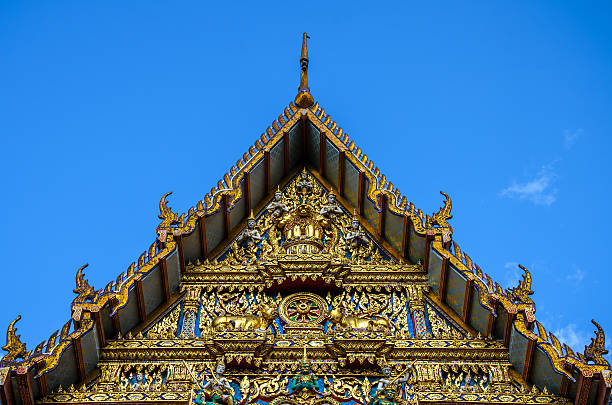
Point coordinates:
[(304, 99), (168, 217), (522, 292), (14, 347), (597, 349), (441, 217), (83, 289)]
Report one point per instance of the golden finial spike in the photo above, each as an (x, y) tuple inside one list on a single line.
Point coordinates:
[(304, 99), (304, 55)]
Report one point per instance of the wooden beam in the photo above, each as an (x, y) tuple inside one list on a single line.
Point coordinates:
[(226, 217), (247, 194), (140, 302), (443, 281), (341, 163), (41, 382), (604, 387), (491, 320), (382, 215), (405, 237), (564, 390), (565, 381), (584, 388), (529, 354), (510, 316), (181, 253), (360, 193), (322, 153), (24, 386), (467, 301), (429, 237), (202, 235), (97, 316), (163, 266), (267, 171), (6, 390), (78, 355), (43, 386), (116, 321), (286, 154)]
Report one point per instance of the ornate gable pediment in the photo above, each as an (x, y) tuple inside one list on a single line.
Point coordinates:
[(312, 280), (303, 284)]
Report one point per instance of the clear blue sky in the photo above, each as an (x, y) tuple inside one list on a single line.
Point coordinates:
[(507, 107)]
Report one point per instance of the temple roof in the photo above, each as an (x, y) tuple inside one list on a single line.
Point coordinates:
[(304, 135)]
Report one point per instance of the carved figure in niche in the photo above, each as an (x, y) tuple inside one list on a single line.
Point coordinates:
[(376, 323), (250, 236), (331, 209), (139, 383), (277, 207), (355, 237), (304, 185), (388, 396), (217, 391), (305, 381), (467, 383), (267, 312), (387, 387)]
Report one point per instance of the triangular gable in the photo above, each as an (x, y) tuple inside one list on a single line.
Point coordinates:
[(304, 135)]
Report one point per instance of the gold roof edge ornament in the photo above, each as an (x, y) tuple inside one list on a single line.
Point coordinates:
[(441, 217), (597, 348), (83, 288), (522, 292), (304, 99), (15, 348)]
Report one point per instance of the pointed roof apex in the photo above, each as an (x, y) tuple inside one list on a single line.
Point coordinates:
[(304, 99)]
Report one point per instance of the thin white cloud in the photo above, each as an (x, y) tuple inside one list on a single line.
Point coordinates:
[(570, 137), (577, 339), (577, 275), (573, 337), (513, 274), (539, 190)]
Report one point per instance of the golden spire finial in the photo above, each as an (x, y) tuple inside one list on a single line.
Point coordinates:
[(304, 99)]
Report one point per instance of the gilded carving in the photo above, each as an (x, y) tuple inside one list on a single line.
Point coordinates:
[(167, 327), (266, 312), (15, 348), (597, 348), (522, 292)]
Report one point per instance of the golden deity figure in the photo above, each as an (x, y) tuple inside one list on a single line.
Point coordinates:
[(216, 391), (331, 209), (388, 390), (277, 207), (303, 226), (250, 237), (304, 185)]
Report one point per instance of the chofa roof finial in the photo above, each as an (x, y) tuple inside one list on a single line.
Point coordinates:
[(304, 99)]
